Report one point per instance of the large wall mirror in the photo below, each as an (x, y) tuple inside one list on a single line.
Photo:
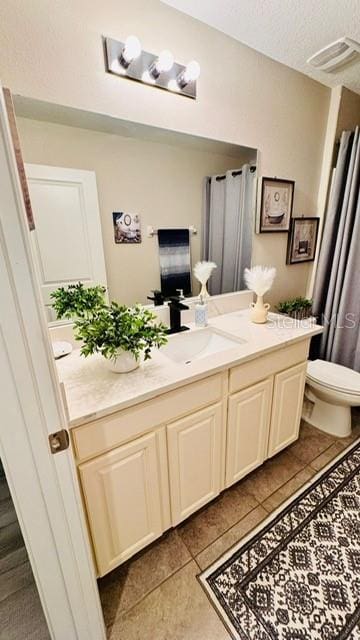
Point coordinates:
[(132, 206)]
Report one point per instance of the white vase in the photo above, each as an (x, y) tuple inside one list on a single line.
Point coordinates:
[(123, 362), (259, 310), (204, 292)]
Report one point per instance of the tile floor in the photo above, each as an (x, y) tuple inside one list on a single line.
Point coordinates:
[(156, 595)]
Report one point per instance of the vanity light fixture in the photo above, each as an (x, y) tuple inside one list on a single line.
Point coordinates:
[(131, 51), (128, 60), (190, 74), (164, 62)]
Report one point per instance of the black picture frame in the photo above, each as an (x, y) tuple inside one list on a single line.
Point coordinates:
[(305, 250), (277, 225)]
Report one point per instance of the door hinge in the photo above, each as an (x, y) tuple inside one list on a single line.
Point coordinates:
[(59, 441)]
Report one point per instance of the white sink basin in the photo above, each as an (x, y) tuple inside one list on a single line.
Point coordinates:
[(193, 345)]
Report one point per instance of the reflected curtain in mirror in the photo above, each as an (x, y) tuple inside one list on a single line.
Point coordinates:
[(228, 227)]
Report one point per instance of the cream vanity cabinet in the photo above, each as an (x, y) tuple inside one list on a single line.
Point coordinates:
[(249, 415), (123, 495), (287, 405), (264, 416), (194, 453), (148, 467)]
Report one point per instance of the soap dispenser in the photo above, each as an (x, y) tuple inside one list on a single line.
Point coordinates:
[(201, 313)]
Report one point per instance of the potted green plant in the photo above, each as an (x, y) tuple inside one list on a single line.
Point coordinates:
[(77, 301), (298, 308), (121, 334)]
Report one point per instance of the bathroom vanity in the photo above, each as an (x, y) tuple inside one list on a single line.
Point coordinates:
[(155, 445)]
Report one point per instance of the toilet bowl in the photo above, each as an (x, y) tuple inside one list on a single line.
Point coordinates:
[(333, 390)]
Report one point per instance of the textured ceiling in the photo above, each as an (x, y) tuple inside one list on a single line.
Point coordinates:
[(289, 31)]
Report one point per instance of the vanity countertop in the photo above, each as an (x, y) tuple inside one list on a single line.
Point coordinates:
[(92, 391)]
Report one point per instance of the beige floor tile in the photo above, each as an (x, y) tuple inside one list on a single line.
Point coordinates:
[(177, 610), (327, 456), (231, 537), (288, 489), (124, 587), (311, 443), (272, 475), (211, 522)]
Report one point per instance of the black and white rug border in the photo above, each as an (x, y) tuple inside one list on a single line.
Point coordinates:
[(202, 577)]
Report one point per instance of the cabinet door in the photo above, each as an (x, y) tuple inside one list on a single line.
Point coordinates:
[(287, 404), (194, 451), (122, 491), (248, 430)]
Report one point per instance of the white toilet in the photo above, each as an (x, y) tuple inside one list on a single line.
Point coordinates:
[(333, 389)]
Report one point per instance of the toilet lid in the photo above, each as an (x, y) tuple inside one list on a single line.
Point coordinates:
[(334, 376)]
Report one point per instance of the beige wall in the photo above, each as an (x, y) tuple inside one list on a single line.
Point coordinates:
[(162, 183), (349, 111), (52, 51)]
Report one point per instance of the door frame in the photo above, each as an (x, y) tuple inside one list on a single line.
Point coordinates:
[(43, 486)]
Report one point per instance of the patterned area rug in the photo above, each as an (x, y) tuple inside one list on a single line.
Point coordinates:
[(297, 577)]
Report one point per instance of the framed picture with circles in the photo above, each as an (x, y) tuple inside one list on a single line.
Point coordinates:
[(127, 229)]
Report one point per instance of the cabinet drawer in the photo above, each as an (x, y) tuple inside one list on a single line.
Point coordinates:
[(260, 368), (99, 436)]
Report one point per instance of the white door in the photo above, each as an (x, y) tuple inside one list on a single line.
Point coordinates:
[(43, 486), (194, 450), (287, 405), (122, 491), (67, 240), (248, 430)]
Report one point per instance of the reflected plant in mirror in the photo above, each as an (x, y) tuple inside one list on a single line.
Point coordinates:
[(76, 300), (121, 334), (203, 205)]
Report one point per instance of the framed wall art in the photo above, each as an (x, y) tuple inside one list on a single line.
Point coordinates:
[(127, 229), (277, 196), (302, 240)]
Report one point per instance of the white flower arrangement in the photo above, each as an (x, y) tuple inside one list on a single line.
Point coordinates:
[(260, 280), (202, 272)]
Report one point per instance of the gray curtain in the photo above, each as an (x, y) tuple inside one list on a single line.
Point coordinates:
[(228, 227), (337, 285)]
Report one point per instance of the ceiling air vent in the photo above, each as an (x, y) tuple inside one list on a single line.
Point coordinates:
[(337, 54)]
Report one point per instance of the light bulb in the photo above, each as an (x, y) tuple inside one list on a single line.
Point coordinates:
[(147, 77), (132, 49), (165, 61), (173, 85), (192, 71)]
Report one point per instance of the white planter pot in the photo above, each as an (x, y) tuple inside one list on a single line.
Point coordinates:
[(259, 311), (123, 362)]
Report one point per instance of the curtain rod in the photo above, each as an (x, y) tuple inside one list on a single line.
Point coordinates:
[(236, 173)]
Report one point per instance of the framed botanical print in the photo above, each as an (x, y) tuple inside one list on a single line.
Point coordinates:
[(302, 240), (276, 205)]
